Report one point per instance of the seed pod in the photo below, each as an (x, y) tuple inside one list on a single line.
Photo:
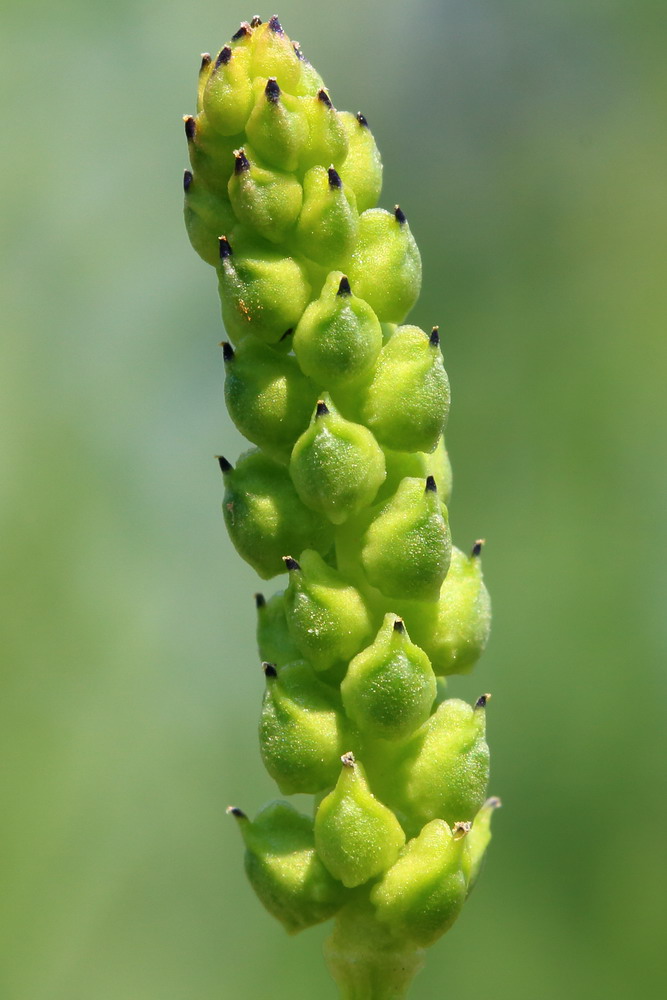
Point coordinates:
[(454, 632), (262, 292), (329, 221), (362, 168), (283, 867), (274, 641), (421, 895), (389, 687), (336, 466), (478, 840), (301, 730), (407, 547), (267, 201), (268, 397), (338, 337), (326, 616), (274, 55), (206, 216), (277, 128), (356, 836), (407, 400), (265, 517), (228, 96), (385, 267), (327, 140)]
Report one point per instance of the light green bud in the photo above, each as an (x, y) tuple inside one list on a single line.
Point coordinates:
[(268, 397), (327, 139), (356, 836), (211, 155), (205, 70), (310, 82), (407, 547), (385, 267), (407, 400), (301, 729), (338, 337), (389, 688), (420, 465), (206, 215), (273, 55), (326, 616), (329, 221), (336, 466), (274, 641), (478, 840), (283, 867), (264, 515), (262, 292), (421, 895), (265, 200), (440, 467), (277, 128), (362, 168), (228, 95)]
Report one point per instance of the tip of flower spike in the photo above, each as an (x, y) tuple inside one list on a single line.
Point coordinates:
[(205, 61), (483, 701), (363, 121), (477, 547), (242, 162), (275, 25), (243, 32), (225, 466), (434, 338), (324, 97), (256, 21), (260, 601), (344, 287), (459, 830), (399, 625), (224, 247), (348, 759), (431, 486), (224, 55), (291, 564), (227, 351), (187, 180), (399, 215), (236, 812), (190, 127), (272, 90), (334, 178), (322, 408), (269, 669)]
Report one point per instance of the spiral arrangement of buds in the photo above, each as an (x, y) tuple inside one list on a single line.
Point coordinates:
[(345, 491)]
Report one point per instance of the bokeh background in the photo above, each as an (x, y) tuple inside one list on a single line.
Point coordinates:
[(526, 140)]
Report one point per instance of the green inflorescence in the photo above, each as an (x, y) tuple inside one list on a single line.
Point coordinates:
[(345, 492)]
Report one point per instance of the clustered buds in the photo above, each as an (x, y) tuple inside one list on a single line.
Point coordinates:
[(345, 493)]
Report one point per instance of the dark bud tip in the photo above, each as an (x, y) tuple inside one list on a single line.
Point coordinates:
[(291, 564), (477, 548), (243, 32), (236, 812), (399, 625), (275, 25), (205, 61), (362, 119), (322, 408), (493, 803), (459, 830), (287, 333), (224, 55), (348, 759), (334, 178), (242, 162), (399, 215), (190, 127), (187, 180), (324, 97), (225, 466), (483, 701), (269, 669), (260, 601), (256, 21), (344, 287), (224, 247), (227, 351), (431, 485), (272, 90), (298, 52), (434, 338)]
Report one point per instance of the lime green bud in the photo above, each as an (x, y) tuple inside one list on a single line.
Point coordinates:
[(327, 139), (283, 867), (478, 840), (273, 55), (407, 547), (407, 401), (385, 267), (310, 82), (265, 200), (205, 70), (389, 688), (277, 128), (422, 894), (339, 337), (301, 729), (356, 836), (455, 631), (440, 467), (329, 221), (211, 155), (228, 95), (420, 465), (206, 215), (337, 467), (268, 397), (264, 515), (362, 168), (326, 616), (274, 641), (262, 292)]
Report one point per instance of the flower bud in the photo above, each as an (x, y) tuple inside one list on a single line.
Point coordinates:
[(385, 267), (205, 70), (327, 141), (265, 200), (420, 465), (389, 687), (228, 96), (338, 338), (329, 222), (422, 894), (326, 616), (277, 128), (301, 729), (262, 292), (356, 836), (362, 168), (265, 517), (274, 55), (211, 155), (407, 547), (478, 840), (310, 82), (336, 466), (407, 400), (283, 867), (274, 641), (268, 397), (206, 216)]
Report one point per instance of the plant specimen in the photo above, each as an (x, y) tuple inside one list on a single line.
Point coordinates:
[(344, 492)]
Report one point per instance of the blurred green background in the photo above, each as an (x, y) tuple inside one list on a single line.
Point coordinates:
[(526, 142)]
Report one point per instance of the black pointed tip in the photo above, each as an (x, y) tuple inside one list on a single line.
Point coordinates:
[(287, 333), (348, 759), (224, 248), (399, 215), (275, 25), (269, 669), (190, 127), (187, 180), (494, 803), (291, 564), (299, 54), (236, 812), (459, 830), (256, 21), (243, 32), (399, 625), (334, 178), (324, 97), (260, 601), (344, 287), (227, 351), (477, 548), (272, 90), (205, 61), (242, 162), (322, 408), (224, 55), (434, 338), (431, 486), (363, 121), (225, 466), (483, 701)]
